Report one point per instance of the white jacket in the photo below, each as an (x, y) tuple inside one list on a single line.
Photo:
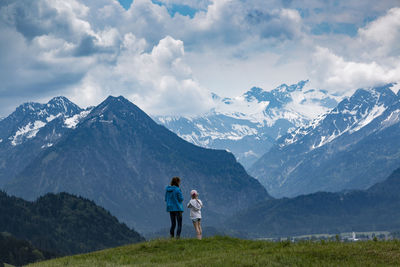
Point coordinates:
[(195, 206)]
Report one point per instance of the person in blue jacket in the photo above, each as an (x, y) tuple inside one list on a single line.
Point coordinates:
[(174, 199)]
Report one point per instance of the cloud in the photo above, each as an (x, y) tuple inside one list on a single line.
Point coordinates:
[(40, 37), (381, 38), (234, 22), (334, 73), (51, 46), (36, 18), (47, 46), (375, 58), (160, 82), (217, 23), (354, 12), (163, 60)]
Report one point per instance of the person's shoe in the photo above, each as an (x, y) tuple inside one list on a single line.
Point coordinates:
[(178, 237)]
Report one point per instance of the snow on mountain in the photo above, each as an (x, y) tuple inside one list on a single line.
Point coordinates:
[(351, 115), (249, 124), (352, 146), (29, 118), (392, 119), (28, 131), (294, 103), (396, 88), (72, 121)]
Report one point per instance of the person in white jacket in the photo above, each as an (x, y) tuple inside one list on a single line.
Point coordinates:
[(195, 206)]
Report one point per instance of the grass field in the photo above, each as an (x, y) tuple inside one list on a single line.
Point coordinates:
[(226, 251)]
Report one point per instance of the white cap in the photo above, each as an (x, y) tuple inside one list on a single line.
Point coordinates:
[(193, 192)]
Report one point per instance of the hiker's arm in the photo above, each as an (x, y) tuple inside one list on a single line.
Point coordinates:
[(180, 196), (197, 206)]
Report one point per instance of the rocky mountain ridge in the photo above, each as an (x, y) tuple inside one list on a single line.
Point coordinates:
[(351, 147), (30, 129), (248, 125)]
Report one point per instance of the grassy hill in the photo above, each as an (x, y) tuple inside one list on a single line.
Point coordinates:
[(226, 251)]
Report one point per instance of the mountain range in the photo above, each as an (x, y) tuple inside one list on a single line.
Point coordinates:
[(248, 125), (116, 155), (119, 157), (353, 146), (374, 209)]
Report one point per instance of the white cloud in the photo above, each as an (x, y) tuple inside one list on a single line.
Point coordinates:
[(233, 22), (340, 11), (334, 73), (90, 49), (375, 58), (160, 81), (56, 45), (381, 38)]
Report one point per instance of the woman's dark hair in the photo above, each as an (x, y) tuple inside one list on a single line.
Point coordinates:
[(175, 181)]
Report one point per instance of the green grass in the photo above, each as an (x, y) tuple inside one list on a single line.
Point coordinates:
[(226, 251)]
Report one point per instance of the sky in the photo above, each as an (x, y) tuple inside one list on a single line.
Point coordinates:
[(167, 56)]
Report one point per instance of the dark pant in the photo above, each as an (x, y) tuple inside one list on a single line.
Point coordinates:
[(176, 216)]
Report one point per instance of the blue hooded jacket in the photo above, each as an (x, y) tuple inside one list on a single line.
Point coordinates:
[(174, 198)]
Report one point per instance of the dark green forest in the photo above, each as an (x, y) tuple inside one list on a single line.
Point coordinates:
[(19, 252), (61, 224)]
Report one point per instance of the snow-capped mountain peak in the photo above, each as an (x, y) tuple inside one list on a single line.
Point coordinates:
[(255, 93), (277, 97), (351, 147), (350, 115), (64, 105), (29, 118), (256, 119)]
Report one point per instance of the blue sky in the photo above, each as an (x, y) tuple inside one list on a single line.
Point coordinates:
[(125, 3), (182, 9), (167, 56)]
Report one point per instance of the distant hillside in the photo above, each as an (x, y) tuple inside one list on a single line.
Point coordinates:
[(120, 158), (63, 224), (377, 208)]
